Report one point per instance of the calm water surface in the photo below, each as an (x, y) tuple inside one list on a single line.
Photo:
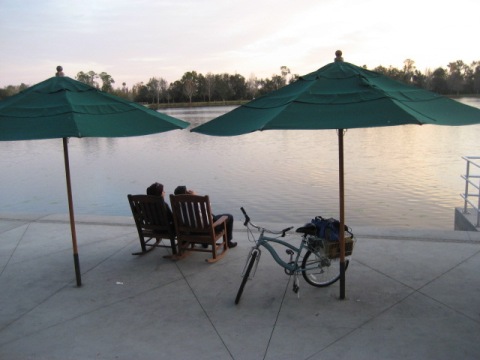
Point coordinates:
[(404, 176)]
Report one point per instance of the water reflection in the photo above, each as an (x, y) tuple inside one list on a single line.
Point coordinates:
[(407, 176)]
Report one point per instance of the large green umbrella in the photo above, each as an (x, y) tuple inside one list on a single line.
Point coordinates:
[(341, 96), (61, 107)]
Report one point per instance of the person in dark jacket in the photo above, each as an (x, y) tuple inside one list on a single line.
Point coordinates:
[(156, 189), (181, 190)]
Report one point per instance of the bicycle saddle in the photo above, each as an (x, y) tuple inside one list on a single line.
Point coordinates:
[(307, 229)]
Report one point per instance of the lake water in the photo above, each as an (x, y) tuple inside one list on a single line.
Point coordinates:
[(404, 176)]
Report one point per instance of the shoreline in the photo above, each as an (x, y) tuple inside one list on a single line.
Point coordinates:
[(373, 232)]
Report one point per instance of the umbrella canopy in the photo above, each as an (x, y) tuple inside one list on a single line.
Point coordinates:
[(61, 107), (341, 96)]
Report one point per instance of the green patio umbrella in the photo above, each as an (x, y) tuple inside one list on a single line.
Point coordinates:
[(61, 107), (341, 96)]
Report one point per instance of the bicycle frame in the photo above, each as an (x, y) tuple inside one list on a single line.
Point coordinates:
[(293, 266)]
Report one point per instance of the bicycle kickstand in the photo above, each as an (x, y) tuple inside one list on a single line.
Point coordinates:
[(296, 286)]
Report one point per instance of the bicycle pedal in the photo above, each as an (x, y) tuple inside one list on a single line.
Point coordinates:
[(296, 288)]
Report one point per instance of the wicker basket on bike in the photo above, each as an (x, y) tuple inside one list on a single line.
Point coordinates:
[(324, 233)]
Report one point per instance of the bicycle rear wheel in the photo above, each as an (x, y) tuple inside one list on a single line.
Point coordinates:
[(246, 275), (317, 270)]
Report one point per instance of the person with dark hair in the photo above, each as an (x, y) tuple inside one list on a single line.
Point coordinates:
[(156, 189), (182, 190)]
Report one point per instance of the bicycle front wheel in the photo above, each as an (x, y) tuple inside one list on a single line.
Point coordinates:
[(318, 270), (246, 275)]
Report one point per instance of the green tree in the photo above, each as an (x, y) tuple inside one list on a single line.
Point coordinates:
[(88, 78), (284, 72), (252, 86), (189, 88), (157, 88), (163, 88), (419, 80), (439, 81), (380, 69), (275, 83), (124, 92), (476, 76), (107, 82), (3, 93), (293, 78), (455, 78), (223, 90), (201, 94), (190, 84), (153, 86), (238, 86), (12, 90), (209, 86), (140, 93), (176, 91), (408, 71)]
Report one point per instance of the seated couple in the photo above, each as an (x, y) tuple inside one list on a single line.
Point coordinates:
[(158, 190)]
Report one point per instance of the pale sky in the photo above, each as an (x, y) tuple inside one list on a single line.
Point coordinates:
[(136, 40)]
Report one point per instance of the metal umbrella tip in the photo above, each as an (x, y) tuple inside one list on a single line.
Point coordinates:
[(338, 56), (59, 71)]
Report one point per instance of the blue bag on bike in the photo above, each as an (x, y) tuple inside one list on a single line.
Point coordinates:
[(328, 229)]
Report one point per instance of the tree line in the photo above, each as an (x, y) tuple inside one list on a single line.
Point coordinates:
[(458, 78)]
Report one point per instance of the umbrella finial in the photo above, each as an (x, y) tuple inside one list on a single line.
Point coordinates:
[(59, 71), (338, 56)]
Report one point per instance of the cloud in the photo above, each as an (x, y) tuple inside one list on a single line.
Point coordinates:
[(136, 40)]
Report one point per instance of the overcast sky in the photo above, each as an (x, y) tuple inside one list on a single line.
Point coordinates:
[(136, 40)]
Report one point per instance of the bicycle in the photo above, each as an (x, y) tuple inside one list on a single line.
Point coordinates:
[(316, 258)]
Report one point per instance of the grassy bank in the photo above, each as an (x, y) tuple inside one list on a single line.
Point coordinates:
[(240, 102), (196, 104)]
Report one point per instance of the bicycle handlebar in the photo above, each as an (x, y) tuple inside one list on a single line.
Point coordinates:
[(248, 221)]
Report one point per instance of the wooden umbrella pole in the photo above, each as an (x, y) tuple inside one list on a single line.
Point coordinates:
[(342, 212), (72, 217)]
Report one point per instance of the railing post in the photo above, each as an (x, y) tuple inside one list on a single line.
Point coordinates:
[(467, 175), (478, 206)]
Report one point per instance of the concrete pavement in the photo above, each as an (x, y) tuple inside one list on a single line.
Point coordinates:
[(411, 294)]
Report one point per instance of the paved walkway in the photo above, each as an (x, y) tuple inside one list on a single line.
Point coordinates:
[(410, 295)]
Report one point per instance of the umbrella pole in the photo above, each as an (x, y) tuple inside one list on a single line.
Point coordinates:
[(72, 217), (342, 212)]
